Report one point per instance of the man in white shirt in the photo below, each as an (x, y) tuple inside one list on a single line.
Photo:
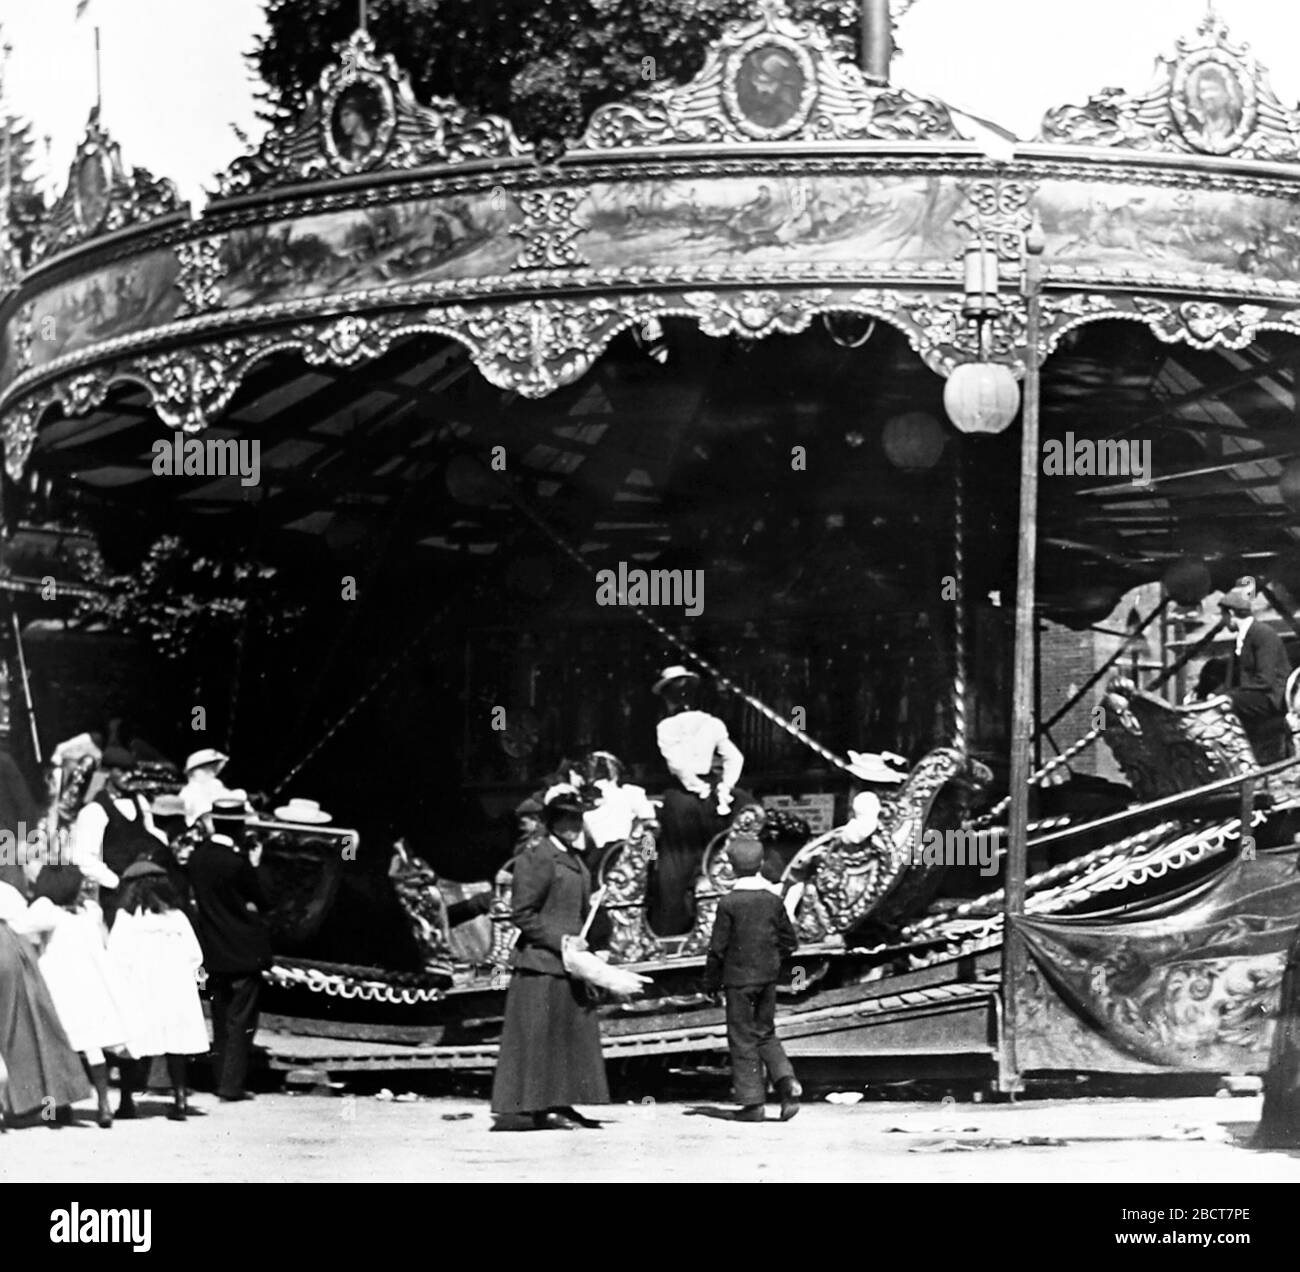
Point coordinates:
[(114, 830)]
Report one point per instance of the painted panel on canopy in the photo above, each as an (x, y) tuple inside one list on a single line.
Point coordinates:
[(461, 236), (117, 300), (851, 217), (1100, 224)]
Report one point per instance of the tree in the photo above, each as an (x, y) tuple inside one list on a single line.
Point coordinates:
[(26, 203), (543, 64)]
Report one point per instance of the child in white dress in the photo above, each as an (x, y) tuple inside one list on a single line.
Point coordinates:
[(70, 940), (156, 956)]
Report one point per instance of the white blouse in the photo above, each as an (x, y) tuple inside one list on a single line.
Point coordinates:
[(688, 742), (619, 809)]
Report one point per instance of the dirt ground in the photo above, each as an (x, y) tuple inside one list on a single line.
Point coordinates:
[(321, 1138)]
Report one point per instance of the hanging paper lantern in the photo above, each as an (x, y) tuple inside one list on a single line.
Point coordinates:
[(469, 482), (1188, 581), (1288, 485), (981, 397), (914, 442)]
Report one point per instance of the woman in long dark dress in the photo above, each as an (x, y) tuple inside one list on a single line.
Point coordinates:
[(1279, 1124), (702, 801), (42, 1072), (550, 1057)]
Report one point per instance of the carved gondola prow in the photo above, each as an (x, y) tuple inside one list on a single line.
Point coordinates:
[(848, 882)]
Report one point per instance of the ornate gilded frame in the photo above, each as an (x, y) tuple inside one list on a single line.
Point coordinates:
[(662, 208)]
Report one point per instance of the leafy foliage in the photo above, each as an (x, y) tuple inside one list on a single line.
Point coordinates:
[(26, 203), (186, 605), (543, 64)]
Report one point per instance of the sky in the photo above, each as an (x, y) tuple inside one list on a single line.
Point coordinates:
[(175, 79)]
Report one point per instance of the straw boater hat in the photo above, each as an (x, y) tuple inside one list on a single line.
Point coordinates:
[(306, 812), (670, 674), (208, 755), (233, 807), (165, 805), (875, 768)]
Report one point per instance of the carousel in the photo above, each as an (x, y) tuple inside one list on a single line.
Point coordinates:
[(805, 332)]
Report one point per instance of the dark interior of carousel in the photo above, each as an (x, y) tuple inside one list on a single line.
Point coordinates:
[(384, 590)]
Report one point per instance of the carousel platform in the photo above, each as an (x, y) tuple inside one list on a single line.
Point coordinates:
[(956, 1022)]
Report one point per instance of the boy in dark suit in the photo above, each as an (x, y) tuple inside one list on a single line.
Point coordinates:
[(751, 935)]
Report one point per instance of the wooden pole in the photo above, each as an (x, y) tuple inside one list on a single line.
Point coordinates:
[(1022, 700), (877, 40), (27, 689)]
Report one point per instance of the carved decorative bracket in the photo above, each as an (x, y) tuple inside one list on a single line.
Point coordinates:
[(770, 79), (102, 196), (1211, 98), (362, 117)]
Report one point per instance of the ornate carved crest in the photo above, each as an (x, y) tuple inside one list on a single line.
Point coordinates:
[(1211, 98), (769, 79), (102, 196), (362, 117)]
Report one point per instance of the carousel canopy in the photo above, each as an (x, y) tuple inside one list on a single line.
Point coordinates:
[(387, 289)]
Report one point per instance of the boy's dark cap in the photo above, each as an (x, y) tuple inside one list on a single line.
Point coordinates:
[(745, 854)]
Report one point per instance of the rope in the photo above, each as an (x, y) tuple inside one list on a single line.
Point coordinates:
[(675, 641), (959, 614)]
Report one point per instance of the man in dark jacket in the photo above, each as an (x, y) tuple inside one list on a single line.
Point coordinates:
[(235, 938), (1256, 680), (752, 933)]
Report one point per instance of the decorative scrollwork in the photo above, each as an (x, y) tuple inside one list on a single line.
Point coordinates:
[(999, 214), (102, 196), (362, 117), (626, 877), (1211, 98), (548, 229), (754, 314), (850, 881), (765, 80), (200, 276), (538, 345), (1203, 324)]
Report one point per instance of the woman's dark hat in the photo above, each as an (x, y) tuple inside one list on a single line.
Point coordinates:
[(60, 883), (562, 801), (117, 757), (142, 870)]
